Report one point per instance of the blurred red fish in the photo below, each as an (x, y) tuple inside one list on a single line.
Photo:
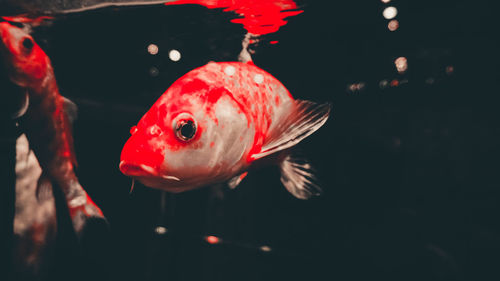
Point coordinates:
[(46, 119), (214, 123)]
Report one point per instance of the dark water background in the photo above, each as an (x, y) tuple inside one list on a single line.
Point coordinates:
[(410, 173)]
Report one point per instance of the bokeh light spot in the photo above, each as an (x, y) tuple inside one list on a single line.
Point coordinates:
[(160, 230), (174, 55), (401, 64), (393, 25), (153, 49), (390, 12), (153, 71), (356, 87), (450, 69), (212, 239), (265, 248)]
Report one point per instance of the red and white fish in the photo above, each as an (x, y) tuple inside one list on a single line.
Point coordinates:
[(46, 120), (216, 122)]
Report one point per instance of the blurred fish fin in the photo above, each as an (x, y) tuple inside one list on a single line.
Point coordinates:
[(297, 175), (24, 106), (305, 118), (44, 188), (235, 181), (217, 191), (244, 55), (71, 109), (27, 19), (71, 112)]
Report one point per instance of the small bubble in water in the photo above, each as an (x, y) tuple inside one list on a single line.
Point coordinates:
[(153, 71)]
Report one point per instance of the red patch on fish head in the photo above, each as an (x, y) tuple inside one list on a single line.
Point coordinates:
[(27, 62), (194, 94), (167, 128), (176, 110), (143, 153)]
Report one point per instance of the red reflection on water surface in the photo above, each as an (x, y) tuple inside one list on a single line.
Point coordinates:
[(259, 17)]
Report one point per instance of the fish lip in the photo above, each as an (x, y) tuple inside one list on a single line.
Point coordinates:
[(141, 170)]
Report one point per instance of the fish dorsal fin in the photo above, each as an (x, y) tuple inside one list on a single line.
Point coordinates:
[(297, 175), (304, 119), (235, 181), (71, 109)]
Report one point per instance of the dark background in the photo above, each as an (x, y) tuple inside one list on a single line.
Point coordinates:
[(409, 172)]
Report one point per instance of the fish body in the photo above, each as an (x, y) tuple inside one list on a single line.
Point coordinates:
[(44, 7), (213, 123), (46, 120)]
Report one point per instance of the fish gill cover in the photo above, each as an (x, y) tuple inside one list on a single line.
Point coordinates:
[(259, 17)]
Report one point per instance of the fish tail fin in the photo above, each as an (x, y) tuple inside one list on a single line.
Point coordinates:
[(297, 175), (235, 181)]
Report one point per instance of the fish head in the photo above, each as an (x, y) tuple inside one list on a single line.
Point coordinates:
[(194, 135), (26, 62)]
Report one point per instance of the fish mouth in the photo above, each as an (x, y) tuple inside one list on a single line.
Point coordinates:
[(141, 170)]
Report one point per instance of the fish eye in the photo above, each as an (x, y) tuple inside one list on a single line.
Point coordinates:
[(28, 43), (184, 127)]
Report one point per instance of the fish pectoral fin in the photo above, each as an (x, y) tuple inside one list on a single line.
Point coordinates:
[(44, 188), (297, 175), (70, 113), (235, 181), (304, 119), (24, 106)]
